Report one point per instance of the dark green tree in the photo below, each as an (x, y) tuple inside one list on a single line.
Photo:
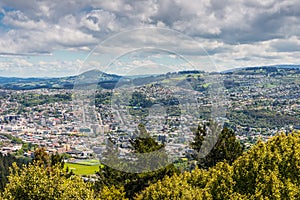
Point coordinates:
[(143, 142), (57, 159), (109, 176), (199, 134), (6, 162), (225, 145), (133, 183), (227, 148), (142, 145)]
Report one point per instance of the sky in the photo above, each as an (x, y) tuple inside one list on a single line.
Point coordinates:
[(54, 38)]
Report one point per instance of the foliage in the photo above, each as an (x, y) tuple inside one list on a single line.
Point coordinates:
[(25, 148), (112, 193), (267, 171), (199, 135), (139, 99), (263, 118), (132, 183), (6, 162), (13, 139), (143, 143), (227, 147), (42, 157), (272, 167), (31, 99), (34, 182), (103, 98), (175, 187)]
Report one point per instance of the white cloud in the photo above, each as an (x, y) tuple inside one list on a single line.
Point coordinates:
[(100, 20), (247, 32), (20, 20)]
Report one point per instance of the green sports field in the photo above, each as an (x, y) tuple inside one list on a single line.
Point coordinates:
[(87, 167)]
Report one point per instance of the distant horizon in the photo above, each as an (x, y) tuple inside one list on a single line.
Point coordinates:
[(227, 70)]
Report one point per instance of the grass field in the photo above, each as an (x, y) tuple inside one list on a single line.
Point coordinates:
[(84, 168)]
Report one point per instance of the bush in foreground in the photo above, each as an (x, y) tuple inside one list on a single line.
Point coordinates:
[(36, 182), (268, 170)]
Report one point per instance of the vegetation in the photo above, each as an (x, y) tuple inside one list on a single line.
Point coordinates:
[(222, 171), (6, 162), (13, 139), (103, 98), (267, 171), (210, 147), (133, 183), (81, 169), (36, 182), (31, 100), (25, 148), (263, 118)]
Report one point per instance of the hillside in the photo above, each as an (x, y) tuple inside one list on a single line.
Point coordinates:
[(109, 81)]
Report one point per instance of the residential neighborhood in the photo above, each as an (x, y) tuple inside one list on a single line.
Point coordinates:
[(48, 117)]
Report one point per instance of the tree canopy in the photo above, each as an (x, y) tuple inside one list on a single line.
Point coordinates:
[(35, 182), (269, 170), (219, 145), (133, 183)]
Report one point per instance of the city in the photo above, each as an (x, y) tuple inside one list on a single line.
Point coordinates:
[(47, 118)]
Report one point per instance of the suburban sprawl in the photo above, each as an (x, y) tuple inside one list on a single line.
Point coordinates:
[(255, 102)]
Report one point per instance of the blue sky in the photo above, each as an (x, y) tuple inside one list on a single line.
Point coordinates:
[(54, 38)]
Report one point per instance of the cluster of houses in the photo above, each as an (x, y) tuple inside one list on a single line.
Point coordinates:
[(57, 127)]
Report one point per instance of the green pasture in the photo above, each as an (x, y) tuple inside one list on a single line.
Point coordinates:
[(87, 167)]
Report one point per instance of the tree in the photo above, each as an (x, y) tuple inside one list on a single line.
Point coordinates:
[(175, 187), (196, 145), (6, 162), (143, 142), (133, 183), (226, 147), (41, 157), (112, 193), (34, 182), (57, 159), (268, 170)]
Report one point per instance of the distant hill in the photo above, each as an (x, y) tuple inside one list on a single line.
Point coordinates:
[(89, 77), (33, 83), (262, 67), (104, 80), (110, 81)]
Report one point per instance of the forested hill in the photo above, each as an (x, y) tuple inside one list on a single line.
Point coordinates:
[(14, 83), (109, 81)]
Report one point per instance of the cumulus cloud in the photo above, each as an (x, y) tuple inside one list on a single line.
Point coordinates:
[(246, 32), (286, 45), (100, 20)]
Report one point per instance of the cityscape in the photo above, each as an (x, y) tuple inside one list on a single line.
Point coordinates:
[(47, 118)]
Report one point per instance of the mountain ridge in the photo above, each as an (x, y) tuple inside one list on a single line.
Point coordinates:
[(109, 81)]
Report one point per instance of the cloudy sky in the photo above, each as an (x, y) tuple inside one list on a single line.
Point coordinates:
[(54, 38)]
